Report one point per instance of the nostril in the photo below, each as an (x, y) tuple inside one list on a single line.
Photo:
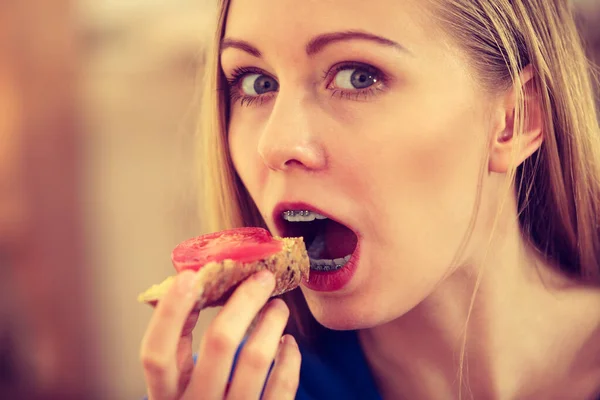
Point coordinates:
[(291, 163)]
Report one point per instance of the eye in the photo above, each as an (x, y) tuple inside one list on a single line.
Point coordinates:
[(257, 84), (355, 78)]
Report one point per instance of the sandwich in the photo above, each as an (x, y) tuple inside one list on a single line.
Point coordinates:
[(223, 260)]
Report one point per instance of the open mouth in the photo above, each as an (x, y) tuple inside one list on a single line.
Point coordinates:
[(330, 244)]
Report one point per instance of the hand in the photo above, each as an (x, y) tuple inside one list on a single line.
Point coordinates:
[(166, 350)]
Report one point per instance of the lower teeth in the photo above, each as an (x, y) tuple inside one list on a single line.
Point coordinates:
[(317, 248), (328, 265)]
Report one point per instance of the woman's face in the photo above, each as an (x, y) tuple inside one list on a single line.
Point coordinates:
[(385, 132)]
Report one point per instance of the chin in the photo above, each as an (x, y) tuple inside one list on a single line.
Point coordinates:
[(342, 323), (364, 311), (340, 315)]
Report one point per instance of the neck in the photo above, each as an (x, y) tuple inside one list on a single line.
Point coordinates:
[(531, 333)]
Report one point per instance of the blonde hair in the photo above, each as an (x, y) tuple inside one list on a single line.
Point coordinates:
[(558, 187)]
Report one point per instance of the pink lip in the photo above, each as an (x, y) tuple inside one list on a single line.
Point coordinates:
[(333, 281), (320, 281)]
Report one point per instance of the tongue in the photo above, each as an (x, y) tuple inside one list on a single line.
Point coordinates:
[(339, 240)]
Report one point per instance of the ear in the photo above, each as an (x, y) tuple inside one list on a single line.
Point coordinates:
[(508, 149)]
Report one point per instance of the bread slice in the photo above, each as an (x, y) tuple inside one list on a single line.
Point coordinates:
[(218, 280)]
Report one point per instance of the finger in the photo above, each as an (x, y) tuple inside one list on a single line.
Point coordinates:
[(185, 360), (160, 342), (225, 333), (285, 377), (190, 323), (258, 353)]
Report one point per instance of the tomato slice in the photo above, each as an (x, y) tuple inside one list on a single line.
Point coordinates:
[(241, 244)]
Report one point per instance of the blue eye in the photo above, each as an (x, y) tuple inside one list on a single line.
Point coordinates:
[(257, 84), (355, 78), (352, 81)]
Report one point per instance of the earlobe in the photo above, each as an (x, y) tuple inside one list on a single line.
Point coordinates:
[(509, 147)]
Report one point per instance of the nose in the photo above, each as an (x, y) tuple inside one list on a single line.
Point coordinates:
[(290, 138)]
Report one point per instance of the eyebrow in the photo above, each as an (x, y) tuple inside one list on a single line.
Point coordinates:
[(316, 44)]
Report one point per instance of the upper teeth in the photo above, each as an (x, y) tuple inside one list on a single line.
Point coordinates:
[(301, 216)]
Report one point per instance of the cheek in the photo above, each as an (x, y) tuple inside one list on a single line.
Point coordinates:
[(439, 180), (423, 169), (244, 156)]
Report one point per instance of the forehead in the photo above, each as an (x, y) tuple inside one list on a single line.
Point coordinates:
[(291, 22)]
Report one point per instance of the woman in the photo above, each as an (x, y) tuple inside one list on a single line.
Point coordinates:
[(456, 145)]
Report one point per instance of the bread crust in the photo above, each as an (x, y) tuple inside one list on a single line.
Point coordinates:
[(218, 280)]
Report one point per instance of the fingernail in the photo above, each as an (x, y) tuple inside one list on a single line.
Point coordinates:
[(264, 277), (186, 281), (288, 340)]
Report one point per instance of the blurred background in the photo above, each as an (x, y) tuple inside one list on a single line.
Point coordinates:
[(97, 182)]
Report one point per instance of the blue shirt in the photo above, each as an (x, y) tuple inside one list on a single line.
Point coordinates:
[(336, 369)]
